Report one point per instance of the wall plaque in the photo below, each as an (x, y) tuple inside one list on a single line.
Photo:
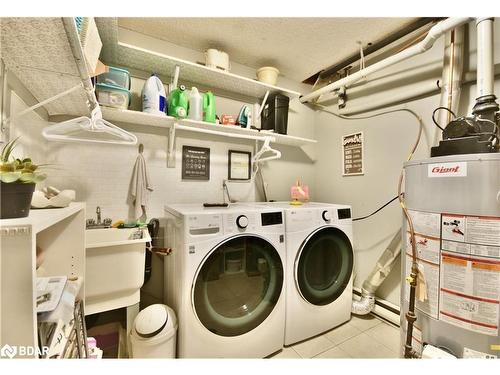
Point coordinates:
[(352, 154), (195, 163)]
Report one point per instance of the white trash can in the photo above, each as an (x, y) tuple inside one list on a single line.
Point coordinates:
[(154, 333)]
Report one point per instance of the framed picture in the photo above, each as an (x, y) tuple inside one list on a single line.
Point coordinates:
[(239, 165), (195, 163), (353, 154)]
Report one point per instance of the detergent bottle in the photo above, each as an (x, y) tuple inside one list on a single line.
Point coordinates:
[(209, 107), (195, 111), (154, 99), (178, 102)]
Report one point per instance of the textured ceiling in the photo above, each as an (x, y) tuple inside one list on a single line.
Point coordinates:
[(298, 47)]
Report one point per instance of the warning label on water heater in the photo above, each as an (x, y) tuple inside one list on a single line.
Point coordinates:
[(470, 272), (459, 259)]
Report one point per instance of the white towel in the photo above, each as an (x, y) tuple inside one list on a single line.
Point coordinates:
[(140, 187)]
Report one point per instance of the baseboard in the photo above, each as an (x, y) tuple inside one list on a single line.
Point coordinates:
[(383, 309)]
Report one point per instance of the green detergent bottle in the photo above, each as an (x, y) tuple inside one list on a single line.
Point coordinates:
[(178, 103), (209, 107)]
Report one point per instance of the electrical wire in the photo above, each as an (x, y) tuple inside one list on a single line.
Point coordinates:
[(412, 278), (434, 113), (374, 212)]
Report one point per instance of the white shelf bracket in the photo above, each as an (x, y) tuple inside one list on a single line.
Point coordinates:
[(171, 146)]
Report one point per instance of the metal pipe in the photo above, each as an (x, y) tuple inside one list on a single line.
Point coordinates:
[(452, 75), (485, 64), (390, 97), (408, 93), (434, 33)]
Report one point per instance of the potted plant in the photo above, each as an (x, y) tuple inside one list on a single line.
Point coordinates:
[(18, 179)]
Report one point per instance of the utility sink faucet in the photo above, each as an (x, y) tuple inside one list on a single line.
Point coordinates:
[(93, 224), (98, 212)]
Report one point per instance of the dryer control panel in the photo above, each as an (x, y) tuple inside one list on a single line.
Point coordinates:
[(204, 224), (240, 222)]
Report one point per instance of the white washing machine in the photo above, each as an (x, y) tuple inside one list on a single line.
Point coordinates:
[(318, 268), (225, 279)]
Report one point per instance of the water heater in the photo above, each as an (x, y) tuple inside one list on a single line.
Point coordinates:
[(454, 203)]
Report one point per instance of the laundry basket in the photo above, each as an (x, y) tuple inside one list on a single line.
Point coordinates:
[(154, 333)]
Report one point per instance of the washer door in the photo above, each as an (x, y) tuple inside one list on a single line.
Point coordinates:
[(237, 285), (323, 266)]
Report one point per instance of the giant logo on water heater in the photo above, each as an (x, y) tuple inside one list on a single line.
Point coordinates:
[(457, 169)]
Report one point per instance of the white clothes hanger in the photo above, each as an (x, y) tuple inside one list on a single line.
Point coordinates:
[(266, 148), (94, 129), (82, 129), (89, 130)]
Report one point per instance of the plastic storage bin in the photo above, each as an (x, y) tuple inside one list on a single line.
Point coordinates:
[(115, 77), (112, 96), (275, 113), (154, 333)]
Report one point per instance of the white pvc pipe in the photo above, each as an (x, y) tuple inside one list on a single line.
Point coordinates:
[(434, 33), (379, 84), (379, 273), (485, 64)]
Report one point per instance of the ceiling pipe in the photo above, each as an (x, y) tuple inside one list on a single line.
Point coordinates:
[(403, 94), (451, 81), (374, 48), (434, 33), (486, 106), (391, 97), (485, 63)]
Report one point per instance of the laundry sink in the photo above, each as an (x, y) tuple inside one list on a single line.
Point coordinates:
[(114, 269)]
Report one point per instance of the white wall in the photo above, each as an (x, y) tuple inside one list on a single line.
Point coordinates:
[(388, 140)]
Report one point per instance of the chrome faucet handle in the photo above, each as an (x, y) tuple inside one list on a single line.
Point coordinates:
[(107, 221), (90, 221)]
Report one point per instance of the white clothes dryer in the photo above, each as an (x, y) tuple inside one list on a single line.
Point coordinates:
[(318, 268), (225, 279)]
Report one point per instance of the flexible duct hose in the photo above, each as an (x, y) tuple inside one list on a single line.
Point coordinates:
[(379, 273)]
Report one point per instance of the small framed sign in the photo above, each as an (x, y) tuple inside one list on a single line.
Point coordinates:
[(239, 165), (353, 154), (195, 163)]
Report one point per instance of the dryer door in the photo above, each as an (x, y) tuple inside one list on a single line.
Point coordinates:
[(237, 285), (323, 266)]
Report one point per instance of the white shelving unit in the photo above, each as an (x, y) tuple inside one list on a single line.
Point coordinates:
[(173, 125), (167, 122), (216, 79), (60, 232)]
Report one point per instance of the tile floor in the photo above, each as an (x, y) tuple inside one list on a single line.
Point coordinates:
[(361, 337)]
